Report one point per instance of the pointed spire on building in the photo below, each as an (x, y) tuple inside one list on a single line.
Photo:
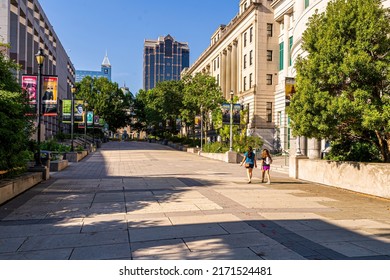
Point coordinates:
[(106, 61)]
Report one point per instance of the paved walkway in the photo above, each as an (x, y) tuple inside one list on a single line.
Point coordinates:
[(147, 201)]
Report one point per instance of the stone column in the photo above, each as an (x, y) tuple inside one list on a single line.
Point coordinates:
[(234, 68), (286, 53), (228, 70), (314, 148), (223, 73)]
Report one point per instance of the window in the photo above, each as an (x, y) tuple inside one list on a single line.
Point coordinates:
[(245, 39), (269, 79), (218, 80), (250, 80), (244, 83), (269, 112), (245, 61), (251, 34), (307, 3), (215, 64), (290, 44), (250, 57), (218, 62), (281, 56), (269, 29), (269, 55)]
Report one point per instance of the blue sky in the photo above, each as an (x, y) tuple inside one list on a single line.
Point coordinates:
[(89, 28)]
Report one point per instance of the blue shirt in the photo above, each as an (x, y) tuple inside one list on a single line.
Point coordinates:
[(250, 158)]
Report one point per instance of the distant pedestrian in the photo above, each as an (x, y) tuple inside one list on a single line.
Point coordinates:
[(266, 161), (250, 162)]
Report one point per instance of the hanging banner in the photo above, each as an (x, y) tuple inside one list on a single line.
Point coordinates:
[(198, 120), (66, 111), (78, 111), (50, 95), (29, 86), (225, 113), (289, 89), (96, 120), (236, 114), (89, 118)]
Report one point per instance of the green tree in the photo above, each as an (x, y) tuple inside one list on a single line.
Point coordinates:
[(201, 95), (165, 102), (107, 100), (16, 126), (342, 89)]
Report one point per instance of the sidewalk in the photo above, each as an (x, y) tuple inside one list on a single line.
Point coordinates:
[(135, 200)]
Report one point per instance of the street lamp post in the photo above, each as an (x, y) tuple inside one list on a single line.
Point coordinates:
[(40, 57), (85, 123), (73, 89), (231, 121), (201, 128)]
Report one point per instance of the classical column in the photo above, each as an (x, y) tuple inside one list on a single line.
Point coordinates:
[(286, 53), (228, 70), (234, 68), (223, 74)]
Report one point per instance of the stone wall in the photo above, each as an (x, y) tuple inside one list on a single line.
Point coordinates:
[(368, 178), (9, 188)]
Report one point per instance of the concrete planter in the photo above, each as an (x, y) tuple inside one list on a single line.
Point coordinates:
[(58, 165), (13, 187), (76, 156)]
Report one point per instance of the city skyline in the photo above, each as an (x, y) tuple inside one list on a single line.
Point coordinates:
[(121, 29)]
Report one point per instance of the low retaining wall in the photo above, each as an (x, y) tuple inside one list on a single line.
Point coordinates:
[(13, 187), (58, 165), (368, 178), (230, 157), (75, 156)]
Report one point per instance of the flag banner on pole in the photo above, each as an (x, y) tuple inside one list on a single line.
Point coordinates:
[(226, 113), (236, 114), (50, 95), (66, 111), (29, 86)]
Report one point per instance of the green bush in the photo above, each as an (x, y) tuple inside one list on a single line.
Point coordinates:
[(15, 130), (348, 150), (54, 146), (215, 147)]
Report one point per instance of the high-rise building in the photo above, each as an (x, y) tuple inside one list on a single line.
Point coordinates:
[(164, 59), (26, 28), (105, 71), (242, 57)]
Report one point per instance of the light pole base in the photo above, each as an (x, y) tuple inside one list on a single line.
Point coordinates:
[(232, 157), (45, 171)]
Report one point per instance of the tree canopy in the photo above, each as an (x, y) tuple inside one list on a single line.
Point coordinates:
[(16, 126), (107, 100), (342, 82)]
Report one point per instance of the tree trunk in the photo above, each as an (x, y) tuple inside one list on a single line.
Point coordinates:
[(384, 145)]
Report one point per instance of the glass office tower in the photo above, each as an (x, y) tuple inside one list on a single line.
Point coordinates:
[(164, 59)]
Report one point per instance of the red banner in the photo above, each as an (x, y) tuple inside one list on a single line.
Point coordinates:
[(29, 86)]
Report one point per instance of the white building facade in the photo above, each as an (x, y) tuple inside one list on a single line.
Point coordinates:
[(291, 18), (242, 57)]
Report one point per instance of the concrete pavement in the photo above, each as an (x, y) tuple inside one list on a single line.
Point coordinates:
[(135, 200)]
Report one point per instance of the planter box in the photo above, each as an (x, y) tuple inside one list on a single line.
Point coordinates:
[(10, 188), (76, 156), (58, 165)]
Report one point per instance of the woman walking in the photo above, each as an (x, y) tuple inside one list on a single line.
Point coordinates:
[(250, 162), (266, 161)]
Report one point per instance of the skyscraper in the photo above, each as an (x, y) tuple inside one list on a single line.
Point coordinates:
[(164, 59), (105, 71)]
